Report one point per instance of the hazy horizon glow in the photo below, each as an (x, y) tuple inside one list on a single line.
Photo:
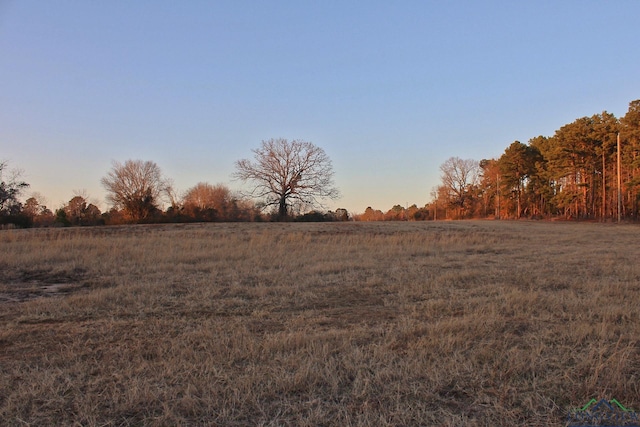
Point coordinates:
[(388, 90)]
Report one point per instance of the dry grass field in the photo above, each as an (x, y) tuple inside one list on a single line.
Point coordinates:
[(480, 323)]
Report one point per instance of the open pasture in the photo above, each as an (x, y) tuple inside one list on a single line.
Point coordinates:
[(345, 324)]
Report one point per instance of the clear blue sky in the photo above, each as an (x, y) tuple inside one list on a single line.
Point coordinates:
[(388, 89)]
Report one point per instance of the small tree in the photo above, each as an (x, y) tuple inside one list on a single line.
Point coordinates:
[(136, 187), (284, 173), (11, 186), (370, 215), (78, 212), (459, 177), (208, 202), (32, 208), (342, 214)]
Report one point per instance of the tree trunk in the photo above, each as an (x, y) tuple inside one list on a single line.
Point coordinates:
[(603, 210), (282, 208), (519, 204)]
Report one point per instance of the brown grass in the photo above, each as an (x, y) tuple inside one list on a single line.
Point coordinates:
[(358, 324)]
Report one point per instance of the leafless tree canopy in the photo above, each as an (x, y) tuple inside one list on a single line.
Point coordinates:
[(135, 187), (458, 178), (10, 188), (212, 201), (206, 196), (285, 172)]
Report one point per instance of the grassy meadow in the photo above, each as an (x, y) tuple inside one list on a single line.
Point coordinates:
[(478, 323)]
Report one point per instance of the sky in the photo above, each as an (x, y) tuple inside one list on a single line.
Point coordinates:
[(388, 89)]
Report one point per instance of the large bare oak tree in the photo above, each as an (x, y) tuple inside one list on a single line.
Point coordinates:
[(283, 172)]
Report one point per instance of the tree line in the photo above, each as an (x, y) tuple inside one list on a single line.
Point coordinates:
[(588, 170), (578, 173), (288, 180)]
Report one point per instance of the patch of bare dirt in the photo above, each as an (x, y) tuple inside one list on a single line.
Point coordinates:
[(40, 284), (20, 292)]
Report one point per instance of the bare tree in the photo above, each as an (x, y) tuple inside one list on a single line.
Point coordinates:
[(11, 186), (212, 202), (458, 178), (284, 173), (136, 187)]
